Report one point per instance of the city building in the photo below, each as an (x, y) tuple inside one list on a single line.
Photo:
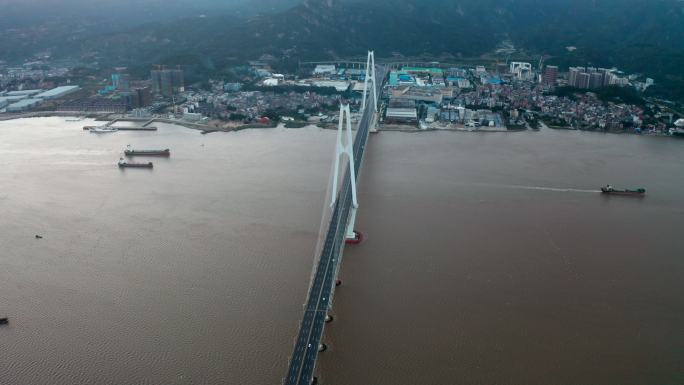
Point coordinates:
[(142, 97), (595, 80), (572, 76), (583, 80), (137, 98), (232, 87), (502, 68), (270, 82), (521, 70), (121, 82), (167, 82), (550, 75)]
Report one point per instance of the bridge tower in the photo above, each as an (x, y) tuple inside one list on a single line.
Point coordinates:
[(370, 80), (346, 147)]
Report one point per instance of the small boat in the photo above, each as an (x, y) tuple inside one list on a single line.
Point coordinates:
[(4, 320), (132, 152), (102, 130), (125, 164), (613, 191)]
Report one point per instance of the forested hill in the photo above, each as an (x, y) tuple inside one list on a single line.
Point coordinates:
[(635, 35)]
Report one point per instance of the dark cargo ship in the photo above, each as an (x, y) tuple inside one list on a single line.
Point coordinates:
[(613, 191), (132, 152), (125, 164)]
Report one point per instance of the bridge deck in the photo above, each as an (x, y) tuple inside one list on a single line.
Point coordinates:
[(303, 360)]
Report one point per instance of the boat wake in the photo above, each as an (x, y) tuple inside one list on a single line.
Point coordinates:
[(545, 188)]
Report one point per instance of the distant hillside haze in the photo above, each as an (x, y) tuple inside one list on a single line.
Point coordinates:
[(18, 13), (636, 35)]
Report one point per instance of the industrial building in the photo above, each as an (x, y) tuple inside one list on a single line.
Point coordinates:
[(23, 105), (25, 93), (339, 85), (56, 93), (401, 111), (325, 69), (418, 95), (95, 105), (12, 99), (424, 70)]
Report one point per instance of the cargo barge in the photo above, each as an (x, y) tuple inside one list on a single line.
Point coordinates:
[(613, 191), (125, 164), (133, 152)]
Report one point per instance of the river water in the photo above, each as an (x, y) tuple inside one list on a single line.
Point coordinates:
[(489, 258)]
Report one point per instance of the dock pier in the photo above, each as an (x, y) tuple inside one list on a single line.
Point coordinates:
[(128, 128)]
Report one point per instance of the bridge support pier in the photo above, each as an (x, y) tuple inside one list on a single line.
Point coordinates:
[(352, 237)]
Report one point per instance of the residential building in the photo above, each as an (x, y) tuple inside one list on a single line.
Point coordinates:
[(167, 82), (550, 75), (583, 80)]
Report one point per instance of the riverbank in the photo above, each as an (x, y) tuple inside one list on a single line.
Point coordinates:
[(45, 114), (407, 128), (112, 118)]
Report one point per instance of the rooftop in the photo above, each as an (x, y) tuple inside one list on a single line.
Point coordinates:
[(23, 92), (25, 103), (56, 91)]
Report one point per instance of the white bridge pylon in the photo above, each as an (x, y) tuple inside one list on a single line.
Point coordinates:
[(369, 79), (345, 147)]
